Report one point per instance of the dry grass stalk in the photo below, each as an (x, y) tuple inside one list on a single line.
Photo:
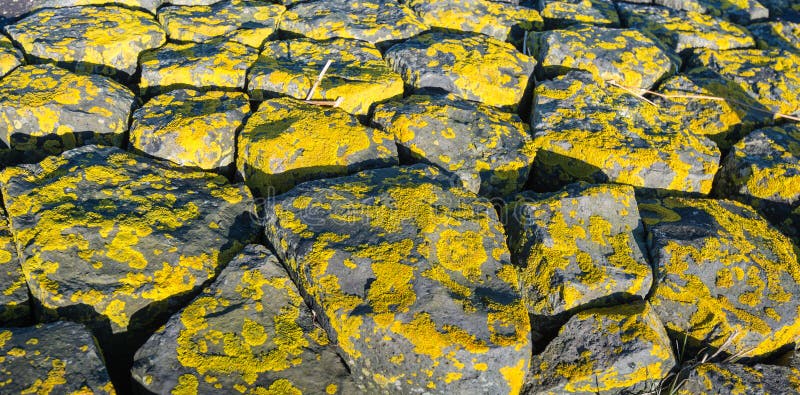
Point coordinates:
[(319, 80)]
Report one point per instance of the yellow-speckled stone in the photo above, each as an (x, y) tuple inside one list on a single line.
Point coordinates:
[(777, 35), (149, 5), (14, 302), (358, 75), (733, 378), (91, 39), (10, 57), (742, 12), (562, 13)]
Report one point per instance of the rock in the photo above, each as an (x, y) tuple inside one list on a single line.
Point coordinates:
[(491, 151), (777, 35), (55, 358), (731, 378), (740, 12), (10, 57), (613, 350), (287, 142), (682, 30), (149, 5), (45, 110), (587, 131), (103, 39), (503, 21), (250, 331), (216, 64), (625, 56), (724, 273), (246, 22), (563, 13), (580, 247), (769, 76), (357, 73), (118, 241), (190, 128), (14, 303), (473, 67), (723, 121), (374, 21), (410, 276), (763, 171)]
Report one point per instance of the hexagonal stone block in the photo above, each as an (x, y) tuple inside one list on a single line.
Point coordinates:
[(491, 151), (249, 331), (374, 21), (45, 110), (723, 272), (358, 75), (92, 39), (769, 76), (216, 64), (614, 350), (682, 30), (10, 56), (587, 131), (246, 22), (117, 241), (777, 35), (474, 67), (625, 56), (742, 12), (722, 121), (763, 170), (190, 128), (60, 358), (563, 13), (410, 276), (149, 5), (15, 306), (731, 378), (287, 142), (580, 247), (503, 21)]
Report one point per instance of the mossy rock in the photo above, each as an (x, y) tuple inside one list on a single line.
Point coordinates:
[(563, 13), (92, 39), (45, 110), (588, 131), (682, 30), (777, 35), (58, 358), (742, 12), (410, 276), (190, 128), (287, 142), (246, 22), (724, 275), (10, 56), (577, 248), (215, 64), (614, 350), (15, 307), (491, 151), (358, 75), (250, 331), (374, 21), (472, 66), (731, 378)]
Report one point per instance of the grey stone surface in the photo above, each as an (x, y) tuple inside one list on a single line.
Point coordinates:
[(777, 35), (15, 306), (730, 378), (563, 13), (741, 12), (149, 5), (10, 56)]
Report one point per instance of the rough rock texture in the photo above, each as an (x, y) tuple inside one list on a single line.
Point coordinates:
[(615, 350), (374, 21), (723, 121), (358, 75), (723, 273), (503, 21), (730, 379), (577, 248), (214, 64), (591, 132), (625, 56), (46, 110), (562, 13), (250, 331), (778, 35), (149, 5), (14, 304), (772, 77), (190, 128), (246, 22), (91, 39), (287, 142), (742, 12), (491, 151), (763, 170), (57, 358), (115, 240), (410, 276), (682, 30), (474, 67), (10, 57)]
